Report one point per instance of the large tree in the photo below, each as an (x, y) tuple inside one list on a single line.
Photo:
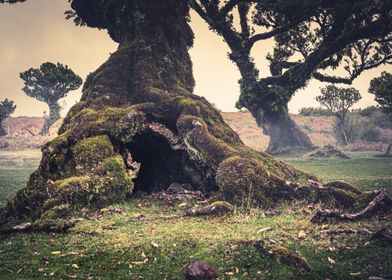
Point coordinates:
[(381, 87), (7, 108), (338, 102), (139, 127), (49, 83), (312, 38)]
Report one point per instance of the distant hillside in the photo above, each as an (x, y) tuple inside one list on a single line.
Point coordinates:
[(319, 129)]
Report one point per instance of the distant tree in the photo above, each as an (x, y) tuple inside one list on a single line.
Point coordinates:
[(48, 84), (313, 38), (313, 112), (381, 87), (338, 102), (7, 108)]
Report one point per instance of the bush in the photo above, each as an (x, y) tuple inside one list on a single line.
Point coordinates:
[(313, 112), (380, 119), (357, 128), (371, 134), (367, 111)]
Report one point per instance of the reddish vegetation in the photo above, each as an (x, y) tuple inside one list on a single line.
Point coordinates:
[(19, 133), (319, 130)]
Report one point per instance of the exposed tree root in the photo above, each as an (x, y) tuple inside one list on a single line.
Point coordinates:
[(383, 233), (381, 199), (48, 227)]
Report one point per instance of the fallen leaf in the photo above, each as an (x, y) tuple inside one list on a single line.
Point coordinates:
[(182, 205), (137, 263), (324, 227), (72, 276), (331, 261), (154, 244), (331, 249), (355, 273), (264, 230), (56, 252), (301, 234), (75, 266)]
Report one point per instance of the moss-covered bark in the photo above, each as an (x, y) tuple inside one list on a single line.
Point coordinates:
[(139, 119)]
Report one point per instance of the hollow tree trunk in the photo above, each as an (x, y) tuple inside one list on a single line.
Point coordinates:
[(139, 127), (54, 116)]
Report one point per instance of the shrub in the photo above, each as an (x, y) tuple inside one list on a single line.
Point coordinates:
[(371, 134), (357, 128), (313, 112)]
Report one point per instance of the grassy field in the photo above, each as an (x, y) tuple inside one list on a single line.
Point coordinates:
[(362, 170), (112, 246)]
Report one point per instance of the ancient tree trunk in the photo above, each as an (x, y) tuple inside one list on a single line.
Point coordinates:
[(269, 107), (54, 115), (139, 127), (284, 133)]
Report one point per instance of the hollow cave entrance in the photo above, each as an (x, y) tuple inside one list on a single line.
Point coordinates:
[(160, 165)]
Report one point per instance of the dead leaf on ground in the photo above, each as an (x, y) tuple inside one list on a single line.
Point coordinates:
[(301, 234), (331, 261)]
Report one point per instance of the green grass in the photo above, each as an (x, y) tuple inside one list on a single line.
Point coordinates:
[(15, 169), (112, 247), (362, 170)]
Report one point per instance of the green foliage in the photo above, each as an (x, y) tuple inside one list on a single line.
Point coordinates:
[(356, 128), (381, 87), (7, 108), (367, 111), (313, 112), (48, 84), (338, 101)]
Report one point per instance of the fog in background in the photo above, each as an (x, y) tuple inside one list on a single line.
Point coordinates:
[(36, 31)]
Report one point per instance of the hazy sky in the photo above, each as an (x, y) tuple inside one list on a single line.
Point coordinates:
[(36, 32)]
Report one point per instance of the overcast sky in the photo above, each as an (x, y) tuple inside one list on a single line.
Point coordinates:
[(36, 32)]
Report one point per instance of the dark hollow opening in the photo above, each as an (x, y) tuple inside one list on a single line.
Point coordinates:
[(161, 165)]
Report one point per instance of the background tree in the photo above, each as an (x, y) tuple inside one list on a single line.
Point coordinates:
[(7, 108), (338, 102), (381, 87), (312, 39), (49, 84)]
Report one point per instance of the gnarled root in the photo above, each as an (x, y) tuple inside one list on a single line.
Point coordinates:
[(381, 199)]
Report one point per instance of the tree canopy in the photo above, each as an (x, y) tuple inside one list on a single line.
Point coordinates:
[(338, 102), (49, 83), (381, 87)]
